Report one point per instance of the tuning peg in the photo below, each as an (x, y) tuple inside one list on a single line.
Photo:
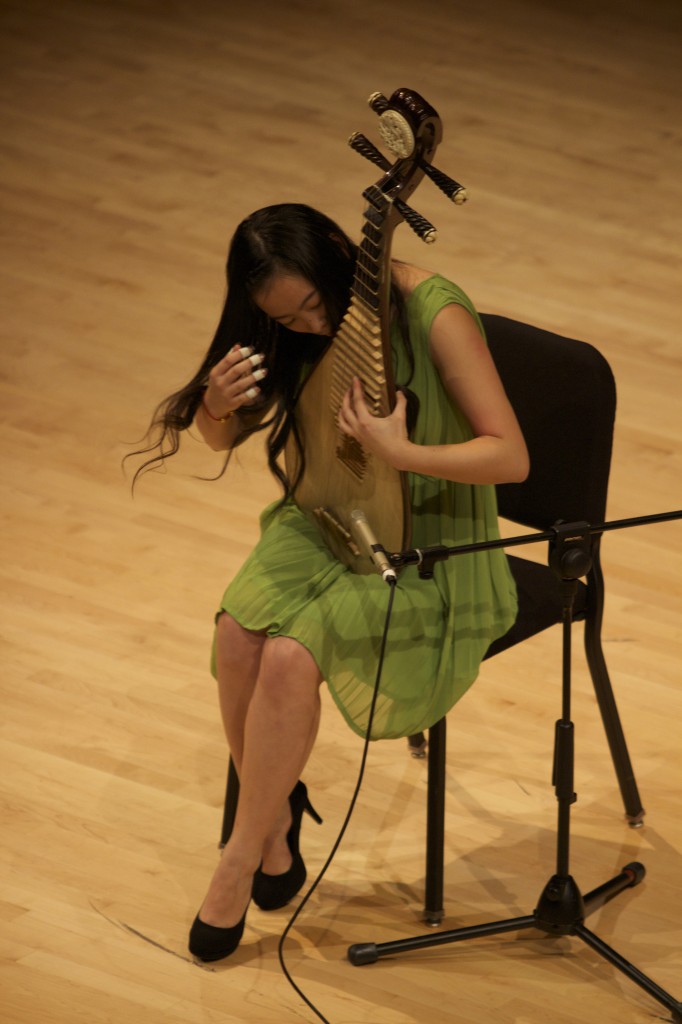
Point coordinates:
[(420, 225), (362, 145), (378, 102), (452, 189)]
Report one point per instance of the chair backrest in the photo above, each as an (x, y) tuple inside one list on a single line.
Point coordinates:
[(564, 395)]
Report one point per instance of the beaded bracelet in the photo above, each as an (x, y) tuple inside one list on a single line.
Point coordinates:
[(216, 419)]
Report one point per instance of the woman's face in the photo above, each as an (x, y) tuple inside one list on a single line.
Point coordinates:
[(295, 303)]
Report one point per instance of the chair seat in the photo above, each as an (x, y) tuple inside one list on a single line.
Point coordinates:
[(540, 603)]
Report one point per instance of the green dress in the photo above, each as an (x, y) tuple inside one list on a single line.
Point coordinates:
[(290, 585)]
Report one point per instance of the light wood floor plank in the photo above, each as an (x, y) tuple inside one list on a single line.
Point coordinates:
[(134, 134)]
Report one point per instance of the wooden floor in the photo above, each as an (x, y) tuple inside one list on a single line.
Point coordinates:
[(134, 134)]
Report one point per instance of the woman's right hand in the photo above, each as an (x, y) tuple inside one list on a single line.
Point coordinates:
[(233, 382)]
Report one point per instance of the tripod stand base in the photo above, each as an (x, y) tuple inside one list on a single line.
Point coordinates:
[(561, 910)]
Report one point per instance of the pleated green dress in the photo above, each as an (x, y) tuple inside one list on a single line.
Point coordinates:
[(290, 585)]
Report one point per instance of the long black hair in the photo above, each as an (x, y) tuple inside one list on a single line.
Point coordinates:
[(291, 238)]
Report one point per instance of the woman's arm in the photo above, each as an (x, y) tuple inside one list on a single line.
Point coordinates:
[(496, 454), (218, 435)]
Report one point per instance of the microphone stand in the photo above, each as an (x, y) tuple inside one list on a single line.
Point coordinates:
[(561, 908)]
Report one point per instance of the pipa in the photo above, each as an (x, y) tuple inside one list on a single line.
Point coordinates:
[(339, 475)]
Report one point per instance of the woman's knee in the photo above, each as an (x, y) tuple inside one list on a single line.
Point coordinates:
[(233, 640), (287, 665)]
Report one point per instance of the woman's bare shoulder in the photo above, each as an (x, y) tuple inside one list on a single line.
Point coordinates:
[(407, 276)]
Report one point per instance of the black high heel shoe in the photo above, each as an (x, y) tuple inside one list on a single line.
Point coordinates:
[(270, 892), (208, 943)]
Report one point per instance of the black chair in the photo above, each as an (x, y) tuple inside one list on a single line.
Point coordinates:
[(564, 395)]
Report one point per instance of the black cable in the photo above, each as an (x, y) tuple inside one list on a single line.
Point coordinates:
[(363, 762)]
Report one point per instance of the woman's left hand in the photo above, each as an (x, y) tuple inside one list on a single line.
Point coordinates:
[(384, 436)]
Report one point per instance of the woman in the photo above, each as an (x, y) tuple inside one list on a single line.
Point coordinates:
[(294, 615)]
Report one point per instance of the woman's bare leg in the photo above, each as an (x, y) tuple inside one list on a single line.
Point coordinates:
[(238, 657), (279, 729)]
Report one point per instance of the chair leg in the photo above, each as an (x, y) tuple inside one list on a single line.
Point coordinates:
[(606, 700), (230, 807), (435, 824), (417, 745)]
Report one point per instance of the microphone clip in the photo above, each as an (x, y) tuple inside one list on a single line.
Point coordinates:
[(376, 551)]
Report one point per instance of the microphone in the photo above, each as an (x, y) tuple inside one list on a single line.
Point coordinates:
[(363, 532)]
